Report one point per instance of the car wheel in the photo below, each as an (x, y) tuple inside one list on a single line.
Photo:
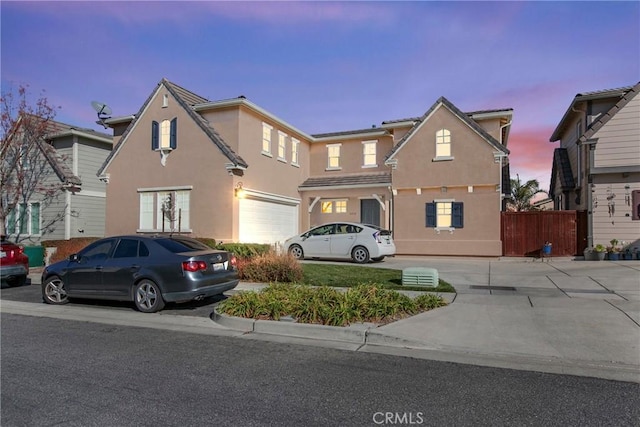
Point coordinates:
[(360, 254), (148, 297), (377, 259), (296, 252), (53, 291)]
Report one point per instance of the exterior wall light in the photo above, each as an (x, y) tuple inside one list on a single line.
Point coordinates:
[(239, 191)]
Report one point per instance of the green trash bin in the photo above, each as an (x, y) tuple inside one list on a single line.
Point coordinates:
[(35, 254)]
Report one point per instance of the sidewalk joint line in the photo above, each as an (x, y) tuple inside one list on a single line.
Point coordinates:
[(622, 311)]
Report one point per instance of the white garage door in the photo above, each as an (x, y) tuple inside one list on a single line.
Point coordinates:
[(267, 222)]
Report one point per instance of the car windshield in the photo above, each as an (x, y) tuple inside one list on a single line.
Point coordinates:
[(178, 245)]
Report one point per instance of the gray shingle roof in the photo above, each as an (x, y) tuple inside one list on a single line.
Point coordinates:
[(352, 180), (348, 132), (629, 94), (561, 169)]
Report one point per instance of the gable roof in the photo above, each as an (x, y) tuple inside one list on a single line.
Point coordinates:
[(465, 118), (589, 96), (186, 99), (604, 118)]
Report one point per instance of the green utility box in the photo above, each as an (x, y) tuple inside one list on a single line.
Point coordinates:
[(420, 276), (35, 254)]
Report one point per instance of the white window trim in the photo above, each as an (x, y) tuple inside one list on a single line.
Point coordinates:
[(16, 230), (282, 137), (156, 217), (334, 168), (262, 140), (439, 229), (295, 143), (375, 145)]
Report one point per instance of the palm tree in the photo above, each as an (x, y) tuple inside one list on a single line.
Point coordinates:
[(522, 194)]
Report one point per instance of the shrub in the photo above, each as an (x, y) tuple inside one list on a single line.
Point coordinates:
[(207, 241), (270, 268), (245, 250), (326, 305), (64, 248)]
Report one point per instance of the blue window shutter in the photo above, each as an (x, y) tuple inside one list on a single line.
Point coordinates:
[(173, 134), (155, 135), (457, 215), (431, 214)]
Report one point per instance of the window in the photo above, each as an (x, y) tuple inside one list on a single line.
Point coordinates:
[(97, 251), (337, 206), (369, 154), (282, 146), (164, 135), (127, 248), (444, 214), (333, 152), (165, 210), (443, 143), (295, 147), (266, 139), (24, 219), (165, 100)]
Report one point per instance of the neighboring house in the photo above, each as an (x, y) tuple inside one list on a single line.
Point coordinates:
[(597, 166), (73, 155), (233, 171)]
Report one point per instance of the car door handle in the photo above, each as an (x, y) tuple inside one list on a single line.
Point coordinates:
[(135, 267), (99, 267)]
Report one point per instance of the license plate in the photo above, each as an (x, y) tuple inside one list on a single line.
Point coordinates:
[(218, 266), (3, 254)]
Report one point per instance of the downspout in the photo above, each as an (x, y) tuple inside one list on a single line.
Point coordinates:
[(500, 171), (591, 144)]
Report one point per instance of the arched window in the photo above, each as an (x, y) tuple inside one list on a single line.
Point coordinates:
[(443, 143)]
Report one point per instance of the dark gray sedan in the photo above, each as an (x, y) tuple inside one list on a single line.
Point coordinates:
[(149, 271)]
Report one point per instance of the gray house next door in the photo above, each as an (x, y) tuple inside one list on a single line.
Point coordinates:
[(370, 212)]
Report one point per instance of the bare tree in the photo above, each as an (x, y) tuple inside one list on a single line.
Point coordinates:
[(523, 194), (27, 163)]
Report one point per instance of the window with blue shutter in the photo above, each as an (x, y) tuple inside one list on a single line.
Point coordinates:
[(155, 135), (431, 214), (173, 132), (457, 215)]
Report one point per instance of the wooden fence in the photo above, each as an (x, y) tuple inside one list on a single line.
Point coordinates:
[(525, 233)]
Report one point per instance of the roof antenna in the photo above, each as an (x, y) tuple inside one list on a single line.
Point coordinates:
[(104, 112)]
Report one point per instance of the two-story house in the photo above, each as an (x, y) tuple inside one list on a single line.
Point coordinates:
[(73, 201), (233, 171), (596, 168)]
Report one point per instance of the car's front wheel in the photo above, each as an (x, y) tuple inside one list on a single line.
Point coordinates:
[(54, 292), (360, 255), (148, 297), (296, 252)]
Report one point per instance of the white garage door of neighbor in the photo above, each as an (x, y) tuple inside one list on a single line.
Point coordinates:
[(267, 222)]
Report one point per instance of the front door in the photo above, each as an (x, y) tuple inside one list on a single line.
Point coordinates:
[(370, 212)]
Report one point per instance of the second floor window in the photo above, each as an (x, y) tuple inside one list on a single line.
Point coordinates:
[(295, 147), (282, 146), (164, 135), (443, 143), (25, 219), (266, 139), (369, 154), (333, 152)]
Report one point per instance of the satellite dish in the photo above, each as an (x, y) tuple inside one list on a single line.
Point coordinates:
[(103, 110)]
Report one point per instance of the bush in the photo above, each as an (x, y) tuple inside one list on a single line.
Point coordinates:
[(64, 248), (245, 250), (326, 305), (270, 268)]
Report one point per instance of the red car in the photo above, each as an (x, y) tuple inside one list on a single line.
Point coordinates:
[(14, 264)]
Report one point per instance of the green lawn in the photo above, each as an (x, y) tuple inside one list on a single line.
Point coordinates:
[(347, 276)]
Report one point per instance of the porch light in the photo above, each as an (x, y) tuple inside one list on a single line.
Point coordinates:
[(239, 191)]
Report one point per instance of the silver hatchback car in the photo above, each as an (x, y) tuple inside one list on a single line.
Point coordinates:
[(343, 240)]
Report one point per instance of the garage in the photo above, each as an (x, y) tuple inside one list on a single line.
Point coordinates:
[(267, 221)]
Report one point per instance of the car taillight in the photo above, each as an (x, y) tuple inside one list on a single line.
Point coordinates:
[(376, 236), (234, 261), (194, 265)]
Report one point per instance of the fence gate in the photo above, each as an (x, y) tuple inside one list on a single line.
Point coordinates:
[(525, 233)]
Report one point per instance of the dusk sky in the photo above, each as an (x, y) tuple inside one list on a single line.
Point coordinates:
[(329, 66)]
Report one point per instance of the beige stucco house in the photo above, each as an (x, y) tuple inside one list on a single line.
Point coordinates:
[(232, 171), (596, 168)]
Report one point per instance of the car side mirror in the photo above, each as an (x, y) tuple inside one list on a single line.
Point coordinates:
[(74, 258)]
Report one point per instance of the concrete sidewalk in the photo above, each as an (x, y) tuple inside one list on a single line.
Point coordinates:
[(561, 316)]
